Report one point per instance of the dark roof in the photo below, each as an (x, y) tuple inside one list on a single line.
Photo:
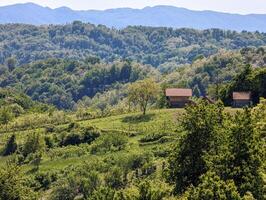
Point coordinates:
[(241, 95), (178, 92)]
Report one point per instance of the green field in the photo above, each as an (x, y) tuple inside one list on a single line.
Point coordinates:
[(134, 126)]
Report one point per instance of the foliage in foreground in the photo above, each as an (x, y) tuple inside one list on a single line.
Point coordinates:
[(13, 184), (220, 156)]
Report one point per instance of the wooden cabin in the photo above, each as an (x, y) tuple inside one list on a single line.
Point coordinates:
[(178, 97), (241, 99)]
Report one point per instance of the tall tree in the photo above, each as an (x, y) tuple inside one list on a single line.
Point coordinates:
[(142, 93), (246, 161), (201, 122)]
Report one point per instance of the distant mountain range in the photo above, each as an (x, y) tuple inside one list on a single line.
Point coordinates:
[(158, 16)]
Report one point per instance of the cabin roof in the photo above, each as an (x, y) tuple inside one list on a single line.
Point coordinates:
[(178, 92), (241, 95)]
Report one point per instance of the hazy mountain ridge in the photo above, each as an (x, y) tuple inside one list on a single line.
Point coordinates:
[(167, 16)]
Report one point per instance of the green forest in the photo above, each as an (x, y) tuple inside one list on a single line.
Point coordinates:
[(83, 113), (147, 45)]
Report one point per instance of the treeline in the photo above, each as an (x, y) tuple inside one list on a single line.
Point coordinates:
[(63, 82), (69, 84), (249, 80), (148, 45), (207, 76), (14, 104)]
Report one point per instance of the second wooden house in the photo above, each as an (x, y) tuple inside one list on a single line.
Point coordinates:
[(241, 99)]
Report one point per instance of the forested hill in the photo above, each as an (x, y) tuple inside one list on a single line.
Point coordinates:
[(63, 82), (155, 46), (167, 16)]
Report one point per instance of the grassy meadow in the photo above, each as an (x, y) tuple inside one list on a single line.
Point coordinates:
[(134, 126)]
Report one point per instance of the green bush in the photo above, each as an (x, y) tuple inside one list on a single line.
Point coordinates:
[(114, 178), (78, 136), (151, 137), (109, 142), (212, 187)]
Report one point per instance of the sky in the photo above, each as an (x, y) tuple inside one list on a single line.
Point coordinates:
[(230, 6)]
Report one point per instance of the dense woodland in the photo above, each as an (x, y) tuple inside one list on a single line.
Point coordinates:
[(83, 114), (147, 45)]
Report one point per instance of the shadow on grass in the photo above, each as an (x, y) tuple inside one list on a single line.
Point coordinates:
[(138, 118)]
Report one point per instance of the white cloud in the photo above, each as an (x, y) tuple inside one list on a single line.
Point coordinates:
[(232, 6)]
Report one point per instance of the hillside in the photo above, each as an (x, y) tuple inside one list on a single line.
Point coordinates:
[(118, 112), (147, 45), (115, 155), (221, 68), (158, 16), (66, 83)]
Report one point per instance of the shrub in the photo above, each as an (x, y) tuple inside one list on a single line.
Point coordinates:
[(11, 146), (12, 185), (212, 187), (103, 193), (33, 144), (71, 139), (151, 137), (109, 142), (86, 135), (149, 191), (49, 142), (114, 178), (45, 179)]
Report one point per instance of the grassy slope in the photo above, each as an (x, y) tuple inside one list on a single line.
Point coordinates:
[(155, 121)]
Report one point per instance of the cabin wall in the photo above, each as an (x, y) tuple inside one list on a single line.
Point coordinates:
[(241, 103), (178, 102)]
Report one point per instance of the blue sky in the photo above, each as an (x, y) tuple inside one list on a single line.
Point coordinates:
[(232, 6)]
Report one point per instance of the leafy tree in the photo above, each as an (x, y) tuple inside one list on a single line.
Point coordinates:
[(143, 93), (36, 161), (5, 116), (211, 187), (89, 183), (103, 193), (34, 143), (201, 122), (11, 63), (11, 146), (245, 160), (12, 184), (79, 182), (126, 71), (259, 120), (147, 192)]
